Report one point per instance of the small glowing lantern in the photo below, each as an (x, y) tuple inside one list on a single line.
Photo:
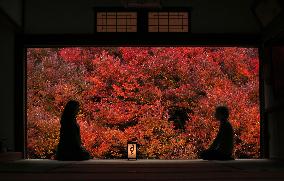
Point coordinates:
[(132, 150)]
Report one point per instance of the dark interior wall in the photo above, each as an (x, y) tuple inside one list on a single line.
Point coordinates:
[(276, 134), (59, 17), (76, 17), (7, 38), (274, 99), (271, 116), (13, 8), (223, 17)]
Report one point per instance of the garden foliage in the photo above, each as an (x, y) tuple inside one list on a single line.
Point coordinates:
[(162, 96)]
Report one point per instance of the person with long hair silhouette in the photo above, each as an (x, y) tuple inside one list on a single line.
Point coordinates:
[(70, 146), (222, 146)]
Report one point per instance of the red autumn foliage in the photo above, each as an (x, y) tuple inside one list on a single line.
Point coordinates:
[(143, 93)]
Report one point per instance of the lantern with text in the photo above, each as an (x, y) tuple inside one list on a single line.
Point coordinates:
[(132, 150)]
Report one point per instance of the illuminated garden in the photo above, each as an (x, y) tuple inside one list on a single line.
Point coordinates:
[(164, 97)]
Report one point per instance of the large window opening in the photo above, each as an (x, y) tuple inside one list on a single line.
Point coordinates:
[(164, 97)]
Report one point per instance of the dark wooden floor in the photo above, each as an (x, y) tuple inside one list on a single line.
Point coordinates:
[(50, 170)]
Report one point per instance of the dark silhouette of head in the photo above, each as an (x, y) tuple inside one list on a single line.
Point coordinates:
[(222, 113), (70, 111)]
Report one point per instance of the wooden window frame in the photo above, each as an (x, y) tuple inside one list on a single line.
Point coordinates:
[(143, 17)]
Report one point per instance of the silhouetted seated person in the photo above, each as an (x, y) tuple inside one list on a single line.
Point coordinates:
[(69, 147), (222, 146)]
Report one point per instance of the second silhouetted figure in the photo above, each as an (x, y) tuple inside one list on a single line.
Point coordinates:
[(222, 146), (69, 147)]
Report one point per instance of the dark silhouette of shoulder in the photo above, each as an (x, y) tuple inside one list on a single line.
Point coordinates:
[(69, 147)]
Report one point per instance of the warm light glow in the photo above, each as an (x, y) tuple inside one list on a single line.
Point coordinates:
[(132, 151)]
